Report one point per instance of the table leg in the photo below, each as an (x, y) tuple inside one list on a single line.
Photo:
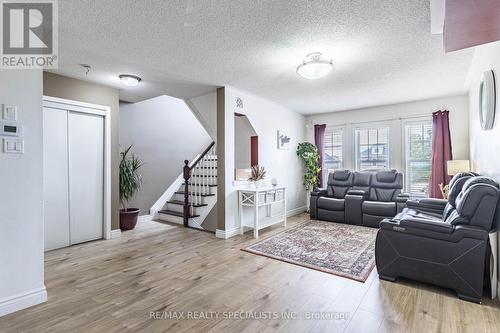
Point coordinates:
[(256, 221), (240, 213)]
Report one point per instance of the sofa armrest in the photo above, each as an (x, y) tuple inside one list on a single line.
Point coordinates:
[(357, 192), (318, 192), (402, 197), (425, 224), (428, 205), (433, 229), (353, 206)]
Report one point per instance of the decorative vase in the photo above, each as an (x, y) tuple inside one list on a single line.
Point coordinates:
[(128, 218)]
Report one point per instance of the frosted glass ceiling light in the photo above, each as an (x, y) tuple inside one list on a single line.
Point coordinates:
[(130, 80), (313, 67)]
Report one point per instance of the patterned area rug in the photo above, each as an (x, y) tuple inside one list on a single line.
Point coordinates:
[(340, 249)]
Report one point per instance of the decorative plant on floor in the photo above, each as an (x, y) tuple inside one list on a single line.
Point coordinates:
[(130, 183), (309, 154)]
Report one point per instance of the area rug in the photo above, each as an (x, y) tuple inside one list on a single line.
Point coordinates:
[(340, 249)]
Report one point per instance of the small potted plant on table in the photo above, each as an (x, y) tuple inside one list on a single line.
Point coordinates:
[(130, 183)]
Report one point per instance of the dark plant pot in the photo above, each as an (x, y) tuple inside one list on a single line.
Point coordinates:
[(128, 218)]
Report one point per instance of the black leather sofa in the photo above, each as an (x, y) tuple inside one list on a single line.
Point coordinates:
[(442, 242), (362, 198)]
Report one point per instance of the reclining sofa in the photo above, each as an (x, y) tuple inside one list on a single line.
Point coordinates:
[(442, 242), (362, 198)]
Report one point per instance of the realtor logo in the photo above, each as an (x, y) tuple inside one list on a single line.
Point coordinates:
[(29, 34)]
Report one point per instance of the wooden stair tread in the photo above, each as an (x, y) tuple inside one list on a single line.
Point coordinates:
[(191, 193), (181, 203), (196, 184), (174, 213)]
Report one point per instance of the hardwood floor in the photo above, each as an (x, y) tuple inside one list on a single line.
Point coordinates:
[(113, 286)]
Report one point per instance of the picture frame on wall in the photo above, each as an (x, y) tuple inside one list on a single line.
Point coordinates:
[(283, 140)]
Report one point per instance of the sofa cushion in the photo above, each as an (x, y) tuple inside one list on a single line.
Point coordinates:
[(379, 208), (331, 203)]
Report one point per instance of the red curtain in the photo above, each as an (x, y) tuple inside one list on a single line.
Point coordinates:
[(319, 140), (441, 152)]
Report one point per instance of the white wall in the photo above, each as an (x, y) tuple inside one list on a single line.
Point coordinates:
[(266, 118), (206, 106), (21, 197), (164, 133), (485, 145), (394, 117)]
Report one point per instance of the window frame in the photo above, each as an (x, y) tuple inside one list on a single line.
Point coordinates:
[(371, 126), (342, 164), (404, 152)]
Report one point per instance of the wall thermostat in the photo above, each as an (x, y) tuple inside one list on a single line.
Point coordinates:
[(10, 129)]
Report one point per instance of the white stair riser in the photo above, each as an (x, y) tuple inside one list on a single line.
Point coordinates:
[(170, 218), (179, 208)]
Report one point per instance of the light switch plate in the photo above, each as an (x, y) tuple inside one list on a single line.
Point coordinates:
[(13, 146), (9, 112)]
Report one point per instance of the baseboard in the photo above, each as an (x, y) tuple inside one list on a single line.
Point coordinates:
[(22, 301), (225, 234), (117, 233), (296, 211)]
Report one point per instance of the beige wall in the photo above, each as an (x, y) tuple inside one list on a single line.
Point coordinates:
[(394, 116), (64, 87)]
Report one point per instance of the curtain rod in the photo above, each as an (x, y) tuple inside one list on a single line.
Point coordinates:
[(371, 121)]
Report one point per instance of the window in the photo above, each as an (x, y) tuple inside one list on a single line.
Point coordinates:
[(372, 148), (333, 151), (418, 157)]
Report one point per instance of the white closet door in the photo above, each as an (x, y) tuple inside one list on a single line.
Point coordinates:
[(86, 176), (55, 178)]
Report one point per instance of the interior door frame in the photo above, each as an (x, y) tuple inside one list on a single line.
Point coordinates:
[(105, 111)]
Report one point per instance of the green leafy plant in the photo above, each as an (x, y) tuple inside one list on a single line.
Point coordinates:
[(258, 173), (130, 177), (308, 153)]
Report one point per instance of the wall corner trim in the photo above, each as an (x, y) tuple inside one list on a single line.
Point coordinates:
[(22, 301), (225, 234), (117, 233)]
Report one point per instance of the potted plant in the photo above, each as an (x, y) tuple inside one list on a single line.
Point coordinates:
[(258, 175), (308, 153), (130, 183)]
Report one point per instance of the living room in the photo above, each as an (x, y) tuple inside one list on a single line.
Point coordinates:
[(267, 166)]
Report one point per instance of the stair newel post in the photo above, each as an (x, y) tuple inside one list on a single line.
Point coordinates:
[(187, 175)]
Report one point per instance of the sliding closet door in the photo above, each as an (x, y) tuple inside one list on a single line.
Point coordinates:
[(55, 178), (86, 176)]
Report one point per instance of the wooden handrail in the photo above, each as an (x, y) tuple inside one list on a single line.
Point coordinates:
[(186, 171), (202, 155)]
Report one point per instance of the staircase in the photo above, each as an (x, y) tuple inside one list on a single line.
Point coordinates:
[(191, 197)]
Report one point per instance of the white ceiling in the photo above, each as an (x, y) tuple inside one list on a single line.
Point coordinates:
[(383, 51)]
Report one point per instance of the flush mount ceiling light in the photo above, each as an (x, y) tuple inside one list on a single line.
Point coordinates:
[(314, 67), (129, 80)]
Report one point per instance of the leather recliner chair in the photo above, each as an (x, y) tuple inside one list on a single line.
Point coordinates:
[(385, 199), (447, 251), (329, 204), (363, 198)]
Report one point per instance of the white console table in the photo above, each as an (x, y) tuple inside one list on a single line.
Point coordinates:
[(259, 197)]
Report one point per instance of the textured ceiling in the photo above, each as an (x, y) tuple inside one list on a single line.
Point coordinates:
[(383, 51)]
